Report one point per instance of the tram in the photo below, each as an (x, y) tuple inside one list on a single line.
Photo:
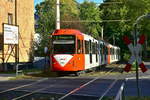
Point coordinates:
[(73, 52)]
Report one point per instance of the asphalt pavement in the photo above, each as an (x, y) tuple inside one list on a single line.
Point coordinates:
[(78, 88)]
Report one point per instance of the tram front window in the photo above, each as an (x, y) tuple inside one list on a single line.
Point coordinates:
[(64, 44)]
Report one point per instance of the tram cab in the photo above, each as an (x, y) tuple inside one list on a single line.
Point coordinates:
[(67, 50)]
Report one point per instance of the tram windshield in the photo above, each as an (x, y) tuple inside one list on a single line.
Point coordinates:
[(63, 44)]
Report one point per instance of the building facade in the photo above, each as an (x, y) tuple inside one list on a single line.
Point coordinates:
[(21, 13)]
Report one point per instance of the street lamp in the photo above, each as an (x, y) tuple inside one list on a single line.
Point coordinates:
[(135, 43)]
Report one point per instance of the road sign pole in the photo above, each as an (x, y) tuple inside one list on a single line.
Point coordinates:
[(136, 61)]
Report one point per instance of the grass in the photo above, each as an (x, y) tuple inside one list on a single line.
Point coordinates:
[(129, 98), (32, 70), (101, 72), (36, 73), (23, 75), (44, 74), (30, 74), (137, 98), (24, 71), (8, 72), (19, 77)]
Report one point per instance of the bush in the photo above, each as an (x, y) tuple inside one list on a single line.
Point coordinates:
[(126, 57)]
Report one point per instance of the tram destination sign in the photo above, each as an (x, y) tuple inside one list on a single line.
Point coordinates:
[(10, 34)]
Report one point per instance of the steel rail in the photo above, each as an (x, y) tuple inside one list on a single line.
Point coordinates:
[(71, 92), (120, 92), (11, 89), (110, 87), (28, 94), (82, 86)]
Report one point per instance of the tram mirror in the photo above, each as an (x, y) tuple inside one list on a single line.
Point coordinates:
[(79, 51), (45, 50)]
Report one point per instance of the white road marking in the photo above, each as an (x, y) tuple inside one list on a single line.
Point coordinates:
[(111, 85), (82, 86), (32, 92), (142, 77), (11, 89)]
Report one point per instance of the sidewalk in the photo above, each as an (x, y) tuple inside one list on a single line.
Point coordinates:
[(6, 77)]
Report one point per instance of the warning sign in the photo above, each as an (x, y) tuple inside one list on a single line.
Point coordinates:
[(135, 50)]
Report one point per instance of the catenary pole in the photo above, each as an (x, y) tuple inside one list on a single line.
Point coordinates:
[(58, 14)]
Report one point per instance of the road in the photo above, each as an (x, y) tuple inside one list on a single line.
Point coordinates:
[(75, 88)]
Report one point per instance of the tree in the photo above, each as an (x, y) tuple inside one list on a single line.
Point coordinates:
[(46, 23), (89, 11), (47, 16), (127, 10)]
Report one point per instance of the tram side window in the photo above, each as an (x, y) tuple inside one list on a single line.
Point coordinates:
[(82, 47), (96, 46), (117, 54), (93, 48), (111, 52), (102, 49), (90, 44), (86, 47), (79, 47), (114, 53), (106, 50)]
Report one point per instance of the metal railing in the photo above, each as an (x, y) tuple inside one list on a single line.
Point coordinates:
[(18, 70), (121, 94)]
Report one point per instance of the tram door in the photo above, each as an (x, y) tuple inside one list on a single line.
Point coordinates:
[(90, 51)]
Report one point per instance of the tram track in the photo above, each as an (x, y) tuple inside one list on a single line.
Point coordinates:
[(22, 86), (82, 86), (28, 94), (72, 91)]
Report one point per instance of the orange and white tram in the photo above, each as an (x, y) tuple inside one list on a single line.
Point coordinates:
[(73, 51)]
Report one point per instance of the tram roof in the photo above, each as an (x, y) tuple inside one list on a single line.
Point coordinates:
[(67, 32)]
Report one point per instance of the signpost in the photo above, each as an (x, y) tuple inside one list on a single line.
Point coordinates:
[(11, 34), (11, 39), (135, 50)]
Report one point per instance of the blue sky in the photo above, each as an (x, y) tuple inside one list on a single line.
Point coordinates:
[(97, 1), (37, 1)]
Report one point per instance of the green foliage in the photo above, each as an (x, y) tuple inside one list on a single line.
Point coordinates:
[(126, 56), (70, 11), (46, 23), (137, 98), (126, 10), (47, 16), (89, 11)]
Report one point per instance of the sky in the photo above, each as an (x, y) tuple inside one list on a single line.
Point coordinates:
[(97, 1)]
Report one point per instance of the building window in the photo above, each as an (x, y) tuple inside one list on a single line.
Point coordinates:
[(10, 18)]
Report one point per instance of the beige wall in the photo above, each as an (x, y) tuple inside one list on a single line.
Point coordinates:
[(25, 20)]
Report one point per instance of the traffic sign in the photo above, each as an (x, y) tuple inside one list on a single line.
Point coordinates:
[(135, 53)]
